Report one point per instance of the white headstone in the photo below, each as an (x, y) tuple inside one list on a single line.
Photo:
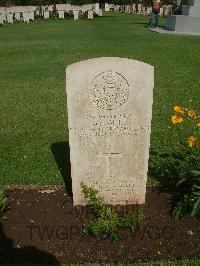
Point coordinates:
[(4, 16), (139, 9), (161, 11), (46, 14), (76, 14), (134, 8), (96, 8), (61, 14), (90, 14), (9, 17), (109, 117), (51, 8), (26, 17), (100, 13), (148, 10), (31, 15), (1, 18), (17, 15), (107, 7)]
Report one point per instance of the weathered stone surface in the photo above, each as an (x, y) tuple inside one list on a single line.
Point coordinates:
[(17, 16), (61, 14), (31, 15), (76, 15), (109, 114), (100, 13), (46, 14), (26, 17), (90, 15), (2, 18), (9, 17)]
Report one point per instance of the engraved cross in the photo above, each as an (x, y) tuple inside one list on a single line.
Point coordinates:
[(110, 155)]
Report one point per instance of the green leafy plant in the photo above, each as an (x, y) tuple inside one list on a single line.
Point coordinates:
[(3, 201), (187, 195), (179, 171), (107, 222)]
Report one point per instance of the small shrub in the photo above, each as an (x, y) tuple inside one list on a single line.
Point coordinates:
[(107, 222), (3, 201)]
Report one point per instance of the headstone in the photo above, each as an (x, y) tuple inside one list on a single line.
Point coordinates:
[(134, 8), (46, 14), (109, 117), (139, 9), (161, 11), (96, 8), (61, 14), (17, 16), (76, 16), (25, 17), (3, 16), (100, 13), (31, 15), (90, 14), (148, 10), (51, 8), (1, 19), (128, 9), (107, 7), (9, 17)]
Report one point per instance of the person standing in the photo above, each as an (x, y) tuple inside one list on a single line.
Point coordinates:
[(154, 13)]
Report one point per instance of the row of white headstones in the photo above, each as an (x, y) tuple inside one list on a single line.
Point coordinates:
[(27, 16), (140, 10)]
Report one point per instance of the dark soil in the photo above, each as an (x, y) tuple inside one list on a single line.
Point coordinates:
[(45, 227)]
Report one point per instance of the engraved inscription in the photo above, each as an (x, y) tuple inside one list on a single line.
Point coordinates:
[(109, 90), (109, 154), (112, 186)]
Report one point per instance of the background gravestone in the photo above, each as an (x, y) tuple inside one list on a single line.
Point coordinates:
[(9, 18), (76, 14), (109, 116), (17, 16)]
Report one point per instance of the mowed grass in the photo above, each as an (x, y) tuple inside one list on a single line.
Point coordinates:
[(33, 59)]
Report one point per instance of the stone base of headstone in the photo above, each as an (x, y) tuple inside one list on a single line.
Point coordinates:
[(184, 24), (164, 31)]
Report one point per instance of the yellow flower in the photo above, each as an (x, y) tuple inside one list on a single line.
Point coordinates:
[(179, 109), (198, 125), (192, 141), (191, 114), (176, 119)]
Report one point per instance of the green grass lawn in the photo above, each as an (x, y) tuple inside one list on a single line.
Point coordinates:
[(33, 59)]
